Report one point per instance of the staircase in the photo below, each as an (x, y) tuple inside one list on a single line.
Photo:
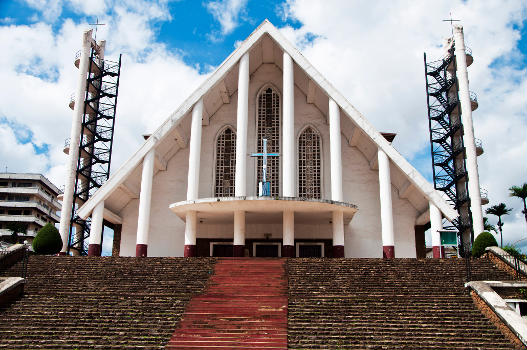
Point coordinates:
[(388, 304), (243, 307), (101, 302)]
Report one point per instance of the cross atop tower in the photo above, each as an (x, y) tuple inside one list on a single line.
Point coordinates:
[(96, 24), (451, 22)]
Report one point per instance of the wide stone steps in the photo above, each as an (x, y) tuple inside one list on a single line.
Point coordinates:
[(101, 303), (243, 307), (387, 304)]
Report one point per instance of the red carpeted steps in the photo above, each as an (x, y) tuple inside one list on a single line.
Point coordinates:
[(243, 307)]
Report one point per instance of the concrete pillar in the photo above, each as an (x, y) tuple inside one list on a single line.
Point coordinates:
[(239, 233), (336, 177), (194, 152), (240, 182), (288, 235), (288, 129), (75, 134), (338, 234), (468, 129), (436, 225), (335, 151), (145, 199), (96, 230), (385, 191), (191, 227)]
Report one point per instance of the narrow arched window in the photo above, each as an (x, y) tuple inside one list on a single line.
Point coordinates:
[(309, 163), (225, 163), (269, 128)]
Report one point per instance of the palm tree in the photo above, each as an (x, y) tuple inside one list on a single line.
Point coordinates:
[(520, 192), (499, 210), (487, 226)]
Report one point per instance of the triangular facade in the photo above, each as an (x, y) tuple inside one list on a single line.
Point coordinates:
[(177, 194)]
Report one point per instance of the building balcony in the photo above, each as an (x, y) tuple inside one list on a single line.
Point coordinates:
[(473, 100), (72, 102), (484, 196), (51, 201), (30, 205), (479, 147), (470, 59), (77, 58), (66, 148), (22, 218), (264, 209)]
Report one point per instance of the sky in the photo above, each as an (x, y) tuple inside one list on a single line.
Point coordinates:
[(372, 51)]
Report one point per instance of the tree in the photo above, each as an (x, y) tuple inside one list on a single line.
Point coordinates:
[(487, 226), (47, 240), (16, 228), (483, 240), (499, 210), (520, 192)]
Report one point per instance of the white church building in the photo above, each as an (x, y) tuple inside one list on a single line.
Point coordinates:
[(336, 186)]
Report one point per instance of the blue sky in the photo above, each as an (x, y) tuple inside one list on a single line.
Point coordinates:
[(371, 52)]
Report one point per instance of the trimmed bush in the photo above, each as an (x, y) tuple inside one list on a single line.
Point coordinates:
[(484, 240), (47, 240)]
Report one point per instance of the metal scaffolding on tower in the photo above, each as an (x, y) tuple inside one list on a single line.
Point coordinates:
[(446, 139), (95, 141)]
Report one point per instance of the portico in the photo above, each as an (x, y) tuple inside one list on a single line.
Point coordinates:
[(262, 211)]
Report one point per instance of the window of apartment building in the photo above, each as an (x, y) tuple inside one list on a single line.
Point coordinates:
[(4, 183), (14, 212), (24, 184)]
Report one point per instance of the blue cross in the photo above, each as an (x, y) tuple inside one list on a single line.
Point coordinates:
[(265, 186)]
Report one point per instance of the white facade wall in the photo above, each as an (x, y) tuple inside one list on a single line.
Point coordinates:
[(360, 187)]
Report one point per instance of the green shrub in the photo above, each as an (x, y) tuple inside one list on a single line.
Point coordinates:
[(47, 240), (512, 250), (484, 240)]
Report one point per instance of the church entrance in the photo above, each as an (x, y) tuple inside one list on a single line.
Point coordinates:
[(222, 249), (266, 249)]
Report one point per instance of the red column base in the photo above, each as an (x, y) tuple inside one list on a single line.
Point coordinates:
[(238, 250), (338, 251), (62, 254), (288, 251), (140, 250), (94, 250), (439, 252), (190, 251), (388, 252)]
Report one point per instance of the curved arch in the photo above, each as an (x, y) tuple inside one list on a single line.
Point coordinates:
[(225, 162), (268, 124), (309, 163)]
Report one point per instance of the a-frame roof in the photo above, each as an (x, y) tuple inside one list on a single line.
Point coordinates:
[(414, 178)]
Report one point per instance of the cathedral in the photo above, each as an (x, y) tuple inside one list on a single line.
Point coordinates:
[(266, 159)]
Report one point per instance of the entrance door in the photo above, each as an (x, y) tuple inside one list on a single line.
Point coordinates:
[(222, 250), (310, 250), (264, 250)]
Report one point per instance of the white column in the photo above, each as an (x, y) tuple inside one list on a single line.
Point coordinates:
[(288, 235), (240, 182), (385, 191), (468, 129), (194, 152), (239, 228), (191, 226), (96, 229), (145, 199), (288, 129), (337, 221), (73, 154), (436, 224), (335, 151)]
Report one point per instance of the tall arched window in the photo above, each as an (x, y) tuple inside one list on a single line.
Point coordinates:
[(269, 128), (309, 163), (225, 163)]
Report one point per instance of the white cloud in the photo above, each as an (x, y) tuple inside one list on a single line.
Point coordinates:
[(50, 9), (151, 78), (374, 55), (227, 13)]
